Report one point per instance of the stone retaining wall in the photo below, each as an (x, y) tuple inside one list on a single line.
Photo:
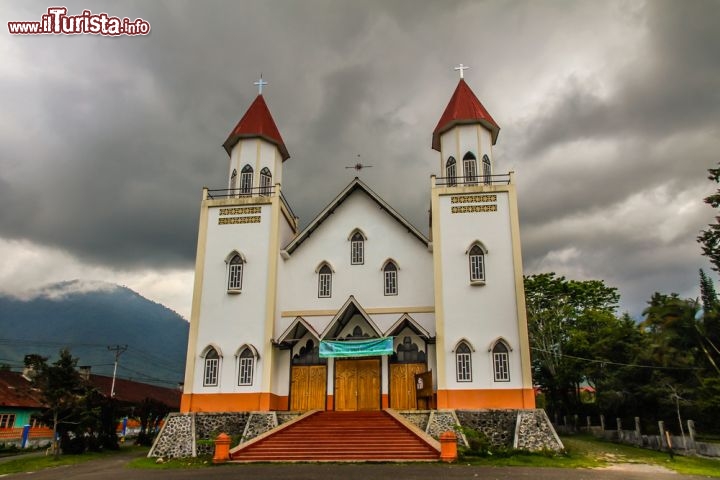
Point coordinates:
[(192, 434)]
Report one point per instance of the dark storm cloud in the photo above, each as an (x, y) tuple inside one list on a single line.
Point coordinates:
[(105, 143)]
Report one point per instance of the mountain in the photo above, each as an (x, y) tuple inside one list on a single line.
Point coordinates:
[(89, 317)]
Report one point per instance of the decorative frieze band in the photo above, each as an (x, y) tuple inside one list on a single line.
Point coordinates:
[(474, 209), (239, 211), (238, 220), (473, 199)]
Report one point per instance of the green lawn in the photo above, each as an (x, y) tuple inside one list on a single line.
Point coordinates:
[(589, 452), (33, 463)]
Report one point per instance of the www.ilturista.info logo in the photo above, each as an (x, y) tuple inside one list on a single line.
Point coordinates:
[(58, 22)]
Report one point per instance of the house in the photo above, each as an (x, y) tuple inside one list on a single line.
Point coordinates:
[(346, 312)]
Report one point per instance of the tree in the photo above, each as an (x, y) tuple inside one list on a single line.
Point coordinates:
[(60, 386), (563, 319), (709, 239)]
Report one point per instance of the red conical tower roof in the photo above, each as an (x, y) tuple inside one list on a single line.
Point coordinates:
[(464, 108), (257, 123)]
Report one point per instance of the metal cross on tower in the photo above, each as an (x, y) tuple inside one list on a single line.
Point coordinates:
[(461, 68), (261, 83)]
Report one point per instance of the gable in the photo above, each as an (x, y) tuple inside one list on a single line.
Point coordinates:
[(356, 187)]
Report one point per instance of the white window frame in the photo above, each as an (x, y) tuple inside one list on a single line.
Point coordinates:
[(463, 363), (390, 276), (211, 370), (451, 171), (235, 274), (501, 363), (487, 170), (246, 367), (265, 182), (246, 180), (357, 249), (476, 262), (470, 169), (325, 282)]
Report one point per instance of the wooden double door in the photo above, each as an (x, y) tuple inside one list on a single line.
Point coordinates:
[(402, 385), (308, 385), (357, 384)]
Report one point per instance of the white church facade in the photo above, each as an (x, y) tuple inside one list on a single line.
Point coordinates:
[(342, 315)]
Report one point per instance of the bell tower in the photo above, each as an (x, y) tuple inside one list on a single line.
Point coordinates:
[(235, 295), (483, 355)]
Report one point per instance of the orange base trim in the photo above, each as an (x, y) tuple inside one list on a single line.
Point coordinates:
[(232, 402), (385, 402), (330, 404), (473, 399)]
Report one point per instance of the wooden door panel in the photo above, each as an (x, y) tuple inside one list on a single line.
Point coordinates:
[(317, 388), (368, 384), (299, 388), (345, 385), (402, 385)]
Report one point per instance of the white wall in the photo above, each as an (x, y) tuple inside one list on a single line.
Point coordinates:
[(479, 313), (229, 320)]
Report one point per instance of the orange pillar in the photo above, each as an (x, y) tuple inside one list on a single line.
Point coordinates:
[(448, 447), (222, 448)]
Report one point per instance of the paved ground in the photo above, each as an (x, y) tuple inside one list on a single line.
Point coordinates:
[(114, 468)]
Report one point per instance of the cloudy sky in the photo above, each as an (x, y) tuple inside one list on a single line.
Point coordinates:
[(610, 116)]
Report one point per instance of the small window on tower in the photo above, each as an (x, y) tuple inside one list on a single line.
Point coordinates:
[(265, 182), (463, 363), (246, 367), (487, 170), (470, 166), (476, 259), (357, 249), (246, 180), (501, 364), (451, 172), (212, 367), (235, 273), (233, 182)]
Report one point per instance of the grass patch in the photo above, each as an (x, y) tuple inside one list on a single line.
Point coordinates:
[(171, 463), (36, 462), (588, 452)]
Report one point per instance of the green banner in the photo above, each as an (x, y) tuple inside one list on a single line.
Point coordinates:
[(356, 348)]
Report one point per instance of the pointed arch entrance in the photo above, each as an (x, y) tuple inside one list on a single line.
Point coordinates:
[(357, 380), (408, 359), (308, 372)]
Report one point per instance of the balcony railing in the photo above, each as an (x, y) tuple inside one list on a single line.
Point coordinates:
[(240, 192), (249, 192), (503, 179)]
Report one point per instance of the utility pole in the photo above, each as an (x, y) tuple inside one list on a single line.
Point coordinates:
[(119, 350)]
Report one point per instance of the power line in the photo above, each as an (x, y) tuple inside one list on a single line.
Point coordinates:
[(607, 362)]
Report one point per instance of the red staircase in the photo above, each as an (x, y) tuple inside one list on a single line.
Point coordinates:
[(340, 436)]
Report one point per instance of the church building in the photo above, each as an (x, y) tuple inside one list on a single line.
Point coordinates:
[(345, 312)]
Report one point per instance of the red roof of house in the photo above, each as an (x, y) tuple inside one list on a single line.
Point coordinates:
[(129, 391), (16, 391), (464, 108), (257, 123)]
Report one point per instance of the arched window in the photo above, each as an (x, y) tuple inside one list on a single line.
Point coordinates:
[(451, 172), (463, 363), (235, 273), (246, 366), (476, 259), (487, 171), (501, 364), (212, 367), (265, 181), (357, 249), (233, 181), (324, 282), (391, 278), (246, 180), (470, 168)]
